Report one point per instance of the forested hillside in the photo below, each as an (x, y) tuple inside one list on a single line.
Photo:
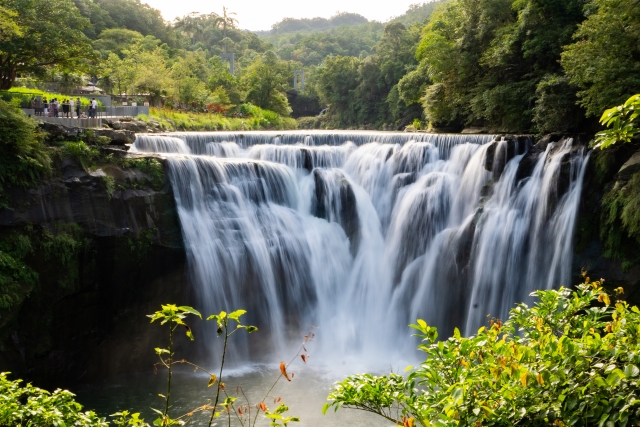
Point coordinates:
[(506, 65), (499, 65)]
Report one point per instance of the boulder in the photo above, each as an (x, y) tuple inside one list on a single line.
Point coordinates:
[(629, 168), (55, 130), (117, 137)]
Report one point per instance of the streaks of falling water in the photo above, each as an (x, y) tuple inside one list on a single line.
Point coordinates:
[(362, 238)]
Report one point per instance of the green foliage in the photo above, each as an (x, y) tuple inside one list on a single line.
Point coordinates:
[(50, 34), (267, 80), (17, 279), (313, 48), (571, 359), (555, 109), (622, 121), (128, 419), (276, 417), (82, 152), (603, 61), (24, 159), (292, 25), (26, 94), (58, 245), (255, 119), (109, 185), (32, 406), (418, 12), (620, 222)]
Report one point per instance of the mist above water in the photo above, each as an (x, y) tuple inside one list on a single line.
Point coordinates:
[(361, 233)]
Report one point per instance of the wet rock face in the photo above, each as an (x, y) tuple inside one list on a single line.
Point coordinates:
[(81, 198), (133, 260), (528, 163), (324, 205)]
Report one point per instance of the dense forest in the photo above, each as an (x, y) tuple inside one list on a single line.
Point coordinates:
[(508, 65)]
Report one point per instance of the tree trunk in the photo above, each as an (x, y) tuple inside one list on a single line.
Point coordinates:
[(7, 78)]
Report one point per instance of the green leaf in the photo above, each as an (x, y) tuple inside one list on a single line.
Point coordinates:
[(236, 314), (631, 371), (325, 407), (191, 310)]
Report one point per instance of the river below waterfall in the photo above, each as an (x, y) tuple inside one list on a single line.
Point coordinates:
[(305, 396), (358, 234)]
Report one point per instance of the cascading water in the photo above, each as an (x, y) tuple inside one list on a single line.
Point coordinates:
[(362, 233)]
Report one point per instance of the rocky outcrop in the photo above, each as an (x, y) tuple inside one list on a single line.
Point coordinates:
[(56, 131), (86, 319), (602, 246), (133, 125)]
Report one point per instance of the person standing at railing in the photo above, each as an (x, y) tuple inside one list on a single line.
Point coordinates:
[(94, 107), (65, 108), (56, 107), (38, 107), (78, 107), (71, 105), (46, 107)]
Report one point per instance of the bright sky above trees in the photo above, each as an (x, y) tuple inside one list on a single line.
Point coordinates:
[(260, 15)]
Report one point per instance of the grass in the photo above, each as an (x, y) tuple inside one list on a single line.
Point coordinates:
[(255, 119), (25, 95)]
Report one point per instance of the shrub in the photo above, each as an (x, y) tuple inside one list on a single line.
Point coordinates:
[(33, 406), (81, 152), (24, 159), (570, 360)]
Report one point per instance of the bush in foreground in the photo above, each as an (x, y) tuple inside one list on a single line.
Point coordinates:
[(570, 360), (33, 406)]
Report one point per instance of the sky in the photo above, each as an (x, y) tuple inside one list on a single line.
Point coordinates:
[(258, 15)]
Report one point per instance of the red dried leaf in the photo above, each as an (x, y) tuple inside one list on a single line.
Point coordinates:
[(263, 407), (304, 358), (283, 370), (279, 399)]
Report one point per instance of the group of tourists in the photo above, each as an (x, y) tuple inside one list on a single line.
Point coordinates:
[(66, 108)]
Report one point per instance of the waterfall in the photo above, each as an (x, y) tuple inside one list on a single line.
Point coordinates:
[(361, 233)]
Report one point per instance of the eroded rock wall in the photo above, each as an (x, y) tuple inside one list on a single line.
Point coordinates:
[(85, 317)]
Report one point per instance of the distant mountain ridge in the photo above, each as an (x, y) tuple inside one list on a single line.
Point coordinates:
[(417, 12)]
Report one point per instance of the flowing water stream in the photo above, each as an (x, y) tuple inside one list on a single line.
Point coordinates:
[(361, 233)]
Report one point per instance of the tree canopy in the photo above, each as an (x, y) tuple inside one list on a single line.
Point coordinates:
[(50, 33)]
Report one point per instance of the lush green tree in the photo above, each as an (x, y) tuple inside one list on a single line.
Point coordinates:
[(99, 18), (267, 82), (189, 75), (8, 25), (51, 35), (485, 60), (116, 40), (137, 16), (222, 79), (418, 13), (604, 61), (120, 72), (312, 47), (570, 360), (336, 82)]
